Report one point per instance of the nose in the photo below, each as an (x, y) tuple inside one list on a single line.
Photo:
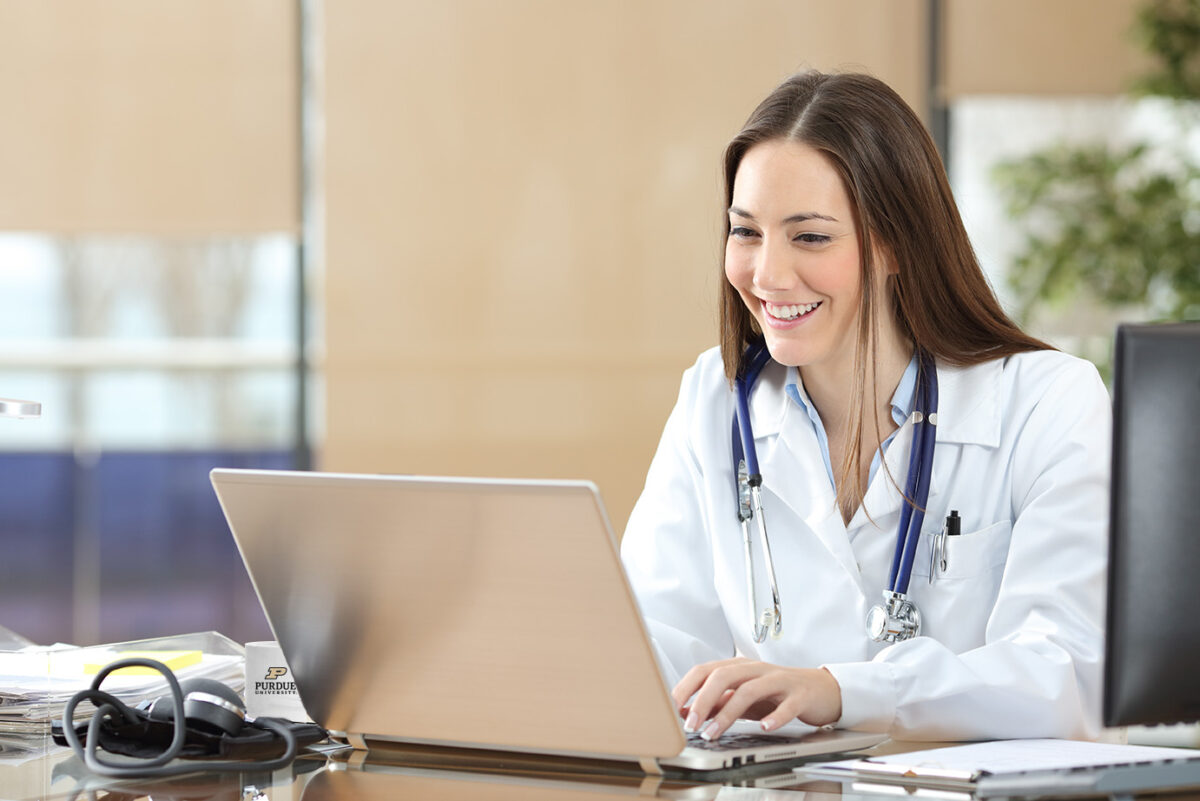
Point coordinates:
[(773, 271)]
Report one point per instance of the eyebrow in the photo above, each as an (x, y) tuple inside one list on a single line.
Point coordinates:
[(801, 217)]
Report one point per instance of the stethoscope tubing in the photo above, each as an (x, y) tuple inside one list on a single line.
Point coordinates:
[(749, 452), (910, 489), (920, 469), (743, 433)]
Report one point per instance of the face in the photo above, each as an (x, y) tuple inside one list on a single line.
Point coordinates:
[(793, 253)]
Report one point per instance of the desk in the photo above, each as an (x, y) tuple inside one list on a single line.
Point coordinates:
[(342, 775)]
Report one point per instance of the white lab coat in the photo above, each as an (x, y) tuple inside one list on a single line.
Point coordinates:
[(1012, 632)]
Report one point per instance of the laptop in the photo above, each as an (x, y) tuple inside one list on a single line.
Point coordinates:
[(485, 615)]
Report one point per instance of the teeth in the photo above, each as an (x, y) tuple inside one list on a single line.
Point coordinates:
[(790, 312)]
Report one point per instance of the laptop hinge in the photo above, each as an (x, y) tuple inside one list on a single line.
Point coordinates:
[(649, 765)]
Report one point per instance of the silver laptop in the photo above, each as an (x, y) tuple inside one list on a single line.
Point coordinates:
[(481, 614)]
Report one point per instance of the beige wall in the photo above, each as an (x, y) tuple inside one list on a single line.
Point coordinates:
[(1040, 47), (523, 217), (149, 116)]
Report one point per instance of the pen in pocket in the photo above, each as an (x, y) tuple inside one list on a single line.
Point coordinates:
[(937, 555)]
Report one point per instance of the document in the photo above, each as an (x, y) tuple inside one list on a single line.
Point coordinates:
[(37, 681), (1002, 766)]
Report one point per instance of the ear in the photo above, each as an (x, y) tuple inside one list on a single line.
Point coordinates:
[(882, 256)]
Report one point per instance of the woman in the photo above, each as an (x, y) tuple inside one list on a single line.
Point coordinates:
[(846, 256)]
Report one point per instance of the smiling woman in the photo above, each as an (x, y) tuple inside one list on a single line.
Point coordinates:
[(853, 296), (852, 143)]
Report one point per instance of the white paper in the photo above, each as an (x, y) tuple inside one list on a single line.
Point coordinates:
[(1010, 757)]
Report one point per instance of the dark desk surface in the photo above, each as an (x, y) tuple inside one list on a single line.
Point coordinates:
[(32, 769)]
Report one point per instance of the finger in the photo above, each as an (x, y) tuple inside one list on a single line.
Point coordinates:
[(720, 683), (687, 686), (694, 679), (720, 704), (709, 698), (752, 692), (682, 693), (792, 707), (760, 709), (793, 698), (785, 711), (683, 712)]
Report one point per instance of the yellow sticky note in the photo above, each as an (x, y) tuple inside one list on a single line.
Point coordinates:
[(175, 660)]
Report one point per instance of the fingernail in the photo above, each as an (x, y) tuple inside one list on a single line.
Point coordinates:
[(710, 731), (690, 724), (768, 724)]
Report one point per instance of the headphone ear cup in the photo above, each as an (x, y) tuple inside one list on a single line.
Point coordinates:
[(158, 709), (208, 704)]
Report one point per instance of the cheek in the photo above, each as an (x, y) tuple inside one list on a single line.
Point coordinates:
[(738, 270), (841, 279)]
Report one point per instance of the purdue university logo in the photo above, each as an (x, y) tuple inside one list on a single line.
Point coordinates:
[(270, 684)]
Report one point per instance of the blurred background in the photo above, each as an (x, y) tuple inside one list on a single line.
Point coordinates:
[(477, 237)]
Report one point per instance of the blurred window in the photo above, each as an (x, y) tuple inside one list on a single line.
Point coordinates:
[(987, 131), (155, 361)]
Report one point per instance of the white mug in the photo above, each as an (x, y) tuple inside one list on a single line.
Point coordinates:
[(270, 687)]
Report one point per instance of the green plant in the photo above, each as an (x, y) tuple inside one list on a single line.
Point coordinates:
[(1121, 224), (1170, 31), (1108, 223)]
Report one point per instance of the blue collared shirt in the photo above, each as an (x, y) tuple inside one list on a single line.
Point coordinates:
[(902, 405)]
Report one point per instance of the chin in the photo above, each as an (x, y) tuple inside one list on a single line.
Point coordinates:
[(789, 353)]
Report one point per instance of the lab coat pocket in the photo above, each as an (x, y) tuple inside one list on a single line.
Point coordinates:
[(971, 553), (956, 604)]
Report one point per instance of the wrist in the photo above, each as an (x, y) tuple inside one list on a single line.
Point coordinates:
[(832, 692)]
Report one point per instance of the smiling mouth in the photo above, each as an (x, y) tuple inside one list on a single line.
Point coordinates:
[(789, 313)]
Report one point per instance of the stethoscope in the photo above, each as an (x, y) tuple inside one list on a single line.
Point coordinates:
[(897, 618)]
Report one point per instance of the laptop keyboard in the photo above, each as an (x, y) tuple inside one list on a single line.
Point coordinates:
[(729, 741)]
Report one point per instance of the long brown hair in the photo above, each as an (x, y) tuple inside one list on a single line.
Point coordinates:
[(902, 204)]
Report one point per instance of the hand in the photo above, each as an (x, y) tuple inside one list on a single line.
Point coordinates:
[(740, 688)]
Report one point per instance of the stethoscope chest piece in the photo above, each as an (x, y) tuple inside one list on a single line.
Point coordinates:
[(895, 620)]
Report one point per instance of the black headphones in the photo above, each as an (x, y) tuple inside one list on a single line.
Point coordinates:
[(206, 706)]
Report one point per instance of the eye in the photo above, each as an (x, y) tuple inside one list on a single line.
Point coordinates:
[(812, 239), (742, 232)]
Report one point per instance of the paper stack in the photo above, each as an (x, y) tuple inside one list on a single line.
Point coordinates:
[(37, 681)]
